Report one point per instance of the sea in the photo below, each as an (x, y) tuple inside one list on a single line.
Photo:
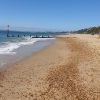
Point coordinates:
[(17, 45)]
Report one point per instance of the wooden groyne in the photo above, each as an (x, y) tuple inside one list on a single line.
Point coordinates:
[(43, 36), (32, 36)]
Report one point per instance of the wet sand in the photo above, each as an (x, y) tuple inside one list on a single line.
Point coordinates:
[(69, 69)]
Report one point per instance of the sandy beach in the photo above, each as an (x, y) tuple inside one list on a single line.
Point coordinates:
[(68, 69)]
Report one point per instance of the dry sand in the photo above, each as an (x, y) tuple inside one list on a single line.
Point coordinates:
[(69, 69)]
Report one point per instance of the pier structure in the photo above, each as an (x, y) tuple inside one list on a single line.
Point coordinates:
[(8, 30)]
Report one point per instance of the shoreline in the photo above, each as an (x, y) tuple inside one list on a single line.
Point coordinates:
[(24, 52), (34, 53), (67, 69)]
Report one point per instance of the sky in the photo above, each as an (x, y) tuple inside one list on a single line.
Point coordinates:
[(60, 15)]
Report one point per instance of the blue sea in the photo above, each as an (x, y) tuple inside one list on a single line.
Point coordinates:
[(21, 44)]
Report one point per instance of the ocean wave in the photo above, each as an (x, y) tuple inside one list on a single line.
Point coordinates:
[(8, 48)]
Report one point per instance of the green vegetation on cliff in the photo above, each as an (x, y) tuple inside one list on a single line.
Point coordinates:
[(92, 30)]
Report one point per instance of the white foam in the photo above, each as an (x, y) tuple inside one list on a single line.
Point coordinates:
[(10, 47)]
